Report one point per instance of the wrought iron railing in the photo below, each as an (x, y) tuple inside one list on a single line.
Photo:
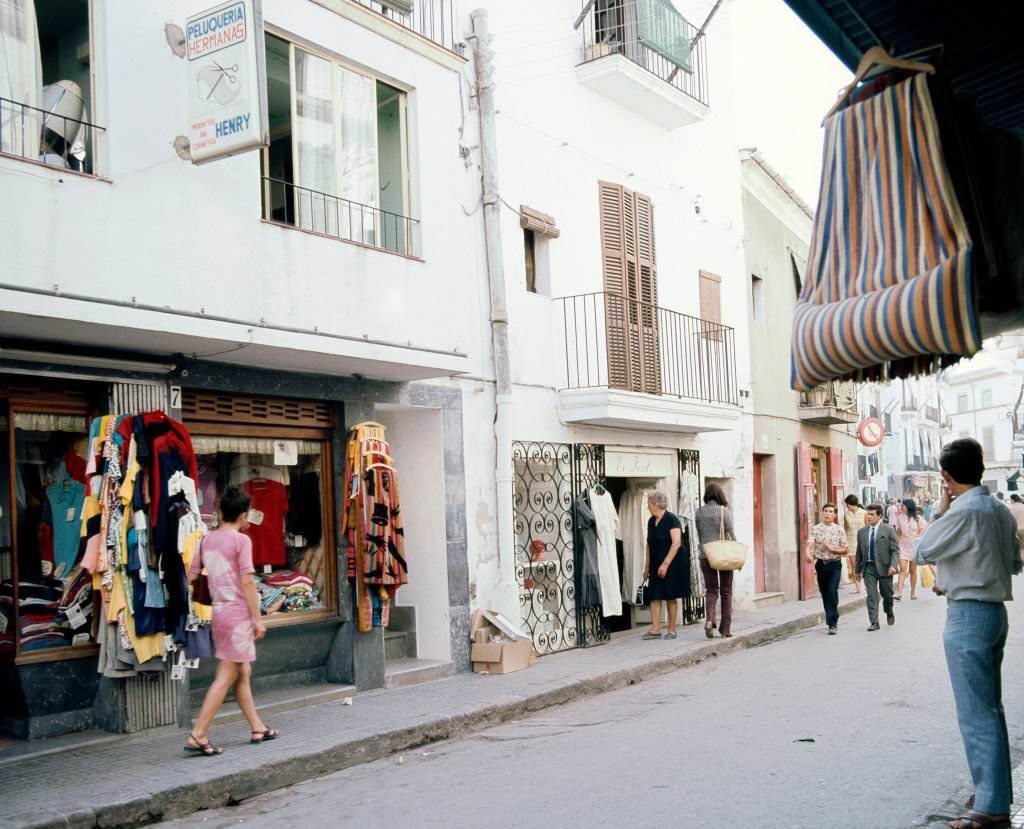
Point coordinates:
[(433, 19), (615, 342), (313, 210), (611, 27), (40, 135)]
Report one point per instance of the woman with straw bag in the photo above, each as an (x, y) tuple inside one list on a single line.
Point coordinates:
[(714, 523)]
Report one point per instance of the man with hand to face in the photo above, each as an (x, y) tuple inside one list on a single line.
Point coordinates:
[(973, 540), (877, 562)]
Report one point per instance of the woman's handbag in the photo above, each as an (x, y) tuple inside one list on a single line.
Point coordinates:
[(725, 554), (641, 595), (199, 643), (927, 575), (201, 584)]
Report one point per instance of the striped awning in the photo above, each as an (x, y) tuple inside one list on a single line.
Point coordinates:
[(889, 268)]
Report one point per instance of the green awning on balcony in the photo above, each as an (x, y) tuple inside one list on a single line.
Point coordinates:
[(664, 30)]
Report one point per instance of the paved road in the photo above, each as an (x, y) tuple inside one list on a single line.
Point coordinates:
[(814, 732)]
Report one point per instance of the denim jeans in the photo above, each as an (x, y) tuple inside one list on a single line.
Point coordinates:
[(974, 639), (829, 573)]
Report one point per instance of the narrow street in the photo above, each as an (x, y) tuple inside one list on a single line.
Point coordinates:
[(852, 731)]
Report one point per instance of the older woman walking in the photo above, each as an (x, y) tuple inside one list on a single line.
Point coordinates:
[(668, 575), (226, 553), (714, 522)]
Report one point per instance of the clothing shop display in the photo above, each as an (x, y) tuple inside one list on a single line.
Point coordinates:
[(585, 541), (139, 521), (633, 515), (689, 503), (606, 521), (269, 506), (372, 524)]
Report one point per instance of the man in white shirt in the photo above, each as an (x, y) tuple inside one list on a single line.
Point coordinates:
[(973, 540)]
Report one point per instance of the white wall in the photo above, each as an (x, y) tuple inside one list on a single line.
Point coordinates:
[(414, 434), (166, 233)]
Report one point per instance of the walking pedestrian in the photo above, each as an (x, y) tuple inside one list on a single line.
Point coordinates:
[(910, 526), (226, 554), (667, 576), (714, 521), (892, 512), (853, 520), (878, 561), (827, 548), (973, 540)]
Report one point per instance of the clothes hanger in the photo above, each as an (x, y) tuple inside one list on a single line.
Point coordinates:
[(876, 56)]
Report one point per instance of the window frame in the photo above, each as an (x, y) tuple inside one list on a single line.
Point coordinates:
[(330, 598), (409, 173)]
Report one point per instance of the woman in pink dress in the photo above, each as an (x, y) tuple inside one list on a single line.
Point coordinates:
[(226, 553), (910, 525)]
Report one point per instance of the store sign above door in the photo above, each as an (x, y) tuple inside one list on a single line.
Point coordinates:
[(227, 90), (619, 464)]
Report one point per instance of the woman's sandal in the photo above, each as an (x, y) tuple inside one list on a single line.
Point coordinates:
[(709, 631), (264, 736), (203, 748), (980, 820), (651, 635)]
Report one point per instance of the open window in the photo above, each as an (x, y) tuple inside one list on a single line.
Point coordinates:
[(338, 161), (46, 83)]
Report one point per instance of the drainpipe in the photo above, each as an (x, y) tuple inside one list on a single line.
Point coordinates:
[(503, 472)]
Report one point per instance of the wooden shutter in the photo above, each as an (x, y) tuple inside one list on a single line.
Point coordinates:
[(836, 478), (805, 499), (631, 289), (647, 294)]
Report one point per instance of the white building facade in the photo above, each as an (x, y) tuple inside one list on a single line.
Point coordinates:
[(623, 265)]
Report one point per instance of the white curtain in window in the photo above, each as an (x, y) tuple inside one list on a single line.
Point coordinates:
[(21, 78), (357, 156), (315, 139)]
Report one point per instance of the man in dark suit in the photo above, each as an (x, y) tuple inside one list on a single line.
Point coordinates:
[(878, 560)]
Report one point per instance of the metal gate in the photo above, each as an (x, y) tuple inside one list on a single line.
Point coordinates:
[(689, 473), (548, 479)]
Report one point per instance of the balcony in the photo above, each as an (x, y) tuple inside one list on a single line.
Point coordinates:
[(645, 56), (632, 364), (289, 204), (430, 19), (48, 136), (826, 406)]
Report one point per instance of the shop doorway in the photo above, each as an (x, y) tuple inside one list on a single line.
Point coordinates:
[(420, 618)]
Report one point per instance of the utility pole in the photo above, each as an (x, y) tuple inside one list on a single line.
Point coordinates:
[(503, 473)]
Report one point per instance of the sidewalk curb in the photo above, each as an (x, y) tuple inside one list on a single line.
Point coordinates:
[(231, 788)]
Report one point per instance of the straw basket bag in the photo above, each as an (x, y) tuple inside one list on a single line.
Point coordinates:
[(725, 554)]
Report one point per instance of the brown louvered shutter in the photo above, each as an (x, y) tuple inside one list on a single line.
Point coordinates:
[(613, 258), (647, 267), (631, 289), (711, 304)]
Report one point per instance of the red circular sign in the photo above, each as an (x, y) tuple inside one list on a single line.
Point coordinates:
[(871, 432)]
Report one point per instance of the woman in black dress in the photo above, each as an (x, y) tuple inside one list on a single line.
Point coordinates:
[(667, 573)]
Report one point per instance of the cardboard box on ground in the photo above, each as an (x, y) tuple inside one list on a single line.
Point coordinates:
[(499, 647)]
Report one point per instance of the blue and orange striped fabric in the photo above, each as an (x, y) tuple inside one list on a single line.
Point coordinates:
[(889, 268)]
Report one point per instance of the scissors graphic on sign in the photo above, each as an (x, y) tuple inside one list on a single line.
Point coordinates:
[(225, 72)]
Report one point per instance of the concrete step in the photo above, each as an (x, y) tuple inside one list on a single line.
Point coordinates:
[(395, 644), (768, 599), (399, 673), (286, 699)]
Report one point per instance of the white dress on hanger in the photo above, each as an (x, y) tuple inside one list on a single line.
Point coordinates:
[(607, 521), (633, 517), (689, 503)]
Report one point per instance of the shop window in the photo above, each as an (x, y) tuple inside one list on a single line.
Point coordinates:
[(278, 453), (46, 601), (46, 89), (338, 160)]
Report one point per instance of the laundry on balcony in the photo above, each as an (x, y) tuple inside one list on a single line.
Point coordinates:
[(911, 259)]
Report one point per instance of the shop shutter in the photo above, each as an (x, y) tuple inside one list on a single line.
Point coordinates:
[(135, 398), (613, 258), (836, 479), (805, 517), (631, 289), (229, 408)]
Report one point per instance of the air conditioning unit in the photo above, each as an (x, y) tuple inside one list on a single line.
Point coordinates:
[(400, 6)]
